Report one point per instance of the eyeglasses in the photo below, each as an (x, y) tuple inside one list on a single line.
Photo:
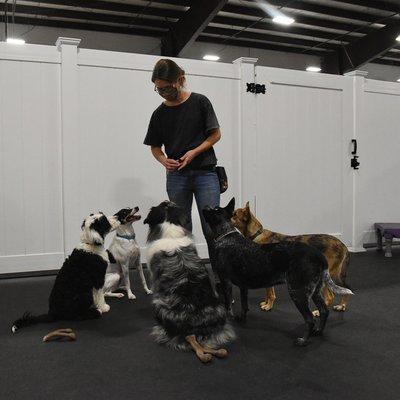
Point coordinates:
[(163, 90)]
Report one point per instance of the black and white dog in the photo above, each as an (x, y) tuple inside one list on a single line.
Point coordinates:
[(77, 293), (188, 313), (123, 253), (250, 265)]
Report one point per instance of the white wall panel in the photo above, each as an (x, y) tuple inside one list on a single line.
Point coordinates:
[(30, 166), (378, 188), (115, 106), (299, 152), (72, 125)]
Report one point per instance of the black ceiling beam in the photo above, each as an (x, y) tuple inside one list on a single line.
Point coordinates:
[(364, 50), (268, 38), (299, 18), (258, 45), (115, 7), (189, 27), (183, 3), (392, 54), (324, 10), (386, 62), (72, 14), (376, 4), (268, 25), (86, 26)]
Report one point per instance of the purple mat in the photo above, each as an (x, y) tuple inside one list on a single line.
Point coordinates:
[(392, 229)]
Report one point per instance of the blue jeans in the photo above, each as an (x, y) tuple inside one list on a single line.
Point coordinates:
[(204, 185)]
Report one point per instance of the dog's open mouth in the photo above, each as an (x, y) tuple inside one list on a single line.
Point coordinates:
[(133, 216)]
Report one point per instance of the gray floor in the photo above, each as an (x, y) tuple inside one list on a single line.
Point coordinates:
[(114, 358)]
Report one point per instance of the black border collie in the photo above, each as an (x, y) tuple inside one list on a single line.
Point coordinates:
[(187, 311), (250, 265), (77, 293)]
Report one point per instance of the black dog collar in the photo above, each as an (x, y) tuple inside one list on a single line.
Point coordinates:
[(258, 233)]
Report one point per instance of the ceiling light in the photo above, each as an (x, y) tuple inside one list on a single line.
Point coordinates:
[(283, 20), (210, 57), (15, 41), (277, 16), (398, 80), (398, 38), (313, 69)]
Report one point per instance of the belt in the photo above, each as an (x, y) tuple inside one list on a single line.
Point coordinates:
[(202, 168)]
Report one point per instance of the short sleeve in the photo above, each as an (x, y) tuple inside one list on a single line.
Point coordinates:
[(153, 136), (211, 121)]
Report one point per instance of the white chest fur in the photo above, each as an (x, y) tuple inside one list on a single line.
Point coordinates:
[(172, 239), (90, 248), (124, 250)]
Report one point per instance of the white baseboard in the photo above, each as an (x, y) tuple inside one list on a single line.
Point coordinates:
[(357, 249), (30, 262)]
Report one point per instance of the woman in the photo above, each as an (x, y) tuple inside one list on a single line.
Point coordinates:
[(186, 125)]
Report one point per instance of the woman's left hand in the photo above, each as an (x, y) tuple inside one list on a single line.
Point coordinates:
[(187, 158)]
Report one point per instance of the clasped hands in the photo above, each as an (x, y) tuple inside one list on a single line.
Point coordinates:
[(176, 165)]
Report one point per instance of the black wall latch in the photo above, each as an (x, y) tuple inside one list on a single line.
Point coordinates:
[(255, 88), (354, 162)]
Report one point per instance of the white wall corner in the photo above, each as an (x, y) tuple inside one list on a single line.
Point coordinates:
[(245, 60), (69, 41), (357, 72)]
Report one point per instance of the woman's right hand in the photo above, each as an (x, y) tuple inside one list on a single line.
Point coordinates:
[(170, 164)]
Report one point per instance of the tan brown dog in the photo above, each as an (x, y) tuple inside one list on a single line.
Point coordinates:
[(334, 250)]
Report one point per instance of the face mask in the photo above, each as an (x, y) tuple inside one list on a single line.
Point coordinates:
[(169, 93)]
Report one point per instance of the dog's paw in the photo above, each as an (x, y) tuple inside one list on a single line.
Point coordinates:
[(315, 313), (301, 342), (105, 308), (119, 295), (148, 291), (131, 296), (340, 307), (266, 306)]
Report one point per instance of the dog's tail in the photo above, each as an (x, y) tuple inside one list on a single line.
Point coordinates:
[(29, 319), (332, 285)]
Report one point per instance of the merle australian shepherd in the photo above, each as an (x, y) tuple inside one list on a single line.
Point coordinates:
[(77, 292), (187, 311), (250, 265)]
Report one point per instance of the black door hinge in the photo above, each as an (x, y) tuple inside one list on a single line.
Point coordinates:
[(255, 88)]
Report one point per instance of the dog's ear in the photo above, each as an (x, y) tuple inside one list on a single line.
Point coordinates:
[(102, 226), (156, 216), (208, 214), (230, 207), (177, 216), (247, 213), (83, 223)]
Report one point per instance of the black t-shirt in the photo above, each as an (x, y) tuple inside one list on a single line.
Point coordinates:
[(182, 128)]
